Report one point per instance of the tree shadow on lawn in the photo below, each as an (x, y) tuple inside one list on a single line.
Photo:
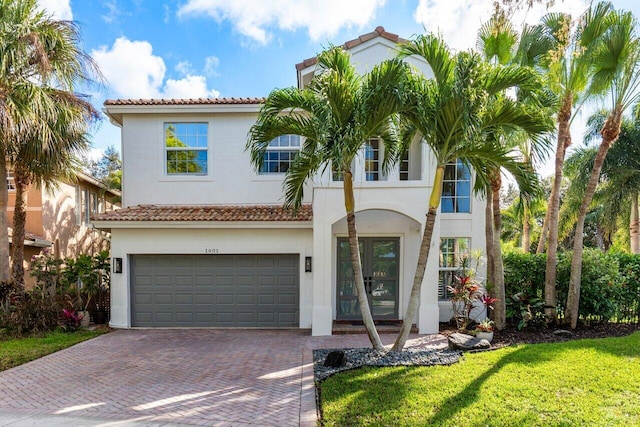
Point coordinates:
[(363, 391), (532, 355)]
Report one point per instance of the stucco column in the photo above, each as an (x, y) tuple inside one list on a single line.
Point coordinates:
[(322, 313), (120, 308)]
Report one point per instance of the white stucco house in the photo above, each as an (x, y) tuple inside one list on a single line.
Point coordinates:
[(202, 239)]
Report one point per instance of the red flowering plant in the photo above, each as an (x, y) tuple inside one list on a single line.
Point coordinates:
[(468, 294)]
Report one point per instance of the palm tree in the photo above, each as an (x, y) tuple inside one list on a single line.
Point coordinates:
[(458, 113), (500, 44), (616, 63), (568, 71), (37, 53), (45, 152), (336, 114)]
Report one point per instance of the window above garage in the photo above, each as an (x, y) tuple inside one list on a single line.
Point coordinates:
[(186, 148)]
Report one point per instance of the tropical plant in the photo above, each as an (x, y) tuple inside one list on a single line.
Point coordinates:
[(335, 114), (568, 73), (485, 326), (501, 44), (40, 64), (616, 64), (456, 113)]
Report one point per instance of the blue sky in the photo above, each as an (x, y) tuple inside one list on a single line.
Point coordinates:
[(240, 48)]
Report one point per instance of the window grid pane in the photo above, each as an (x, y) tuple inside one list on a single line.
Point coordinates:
[(186, 147), (454, 253), (11, 183), (456, 188), (280, 154), (372, 160), (404, 167)]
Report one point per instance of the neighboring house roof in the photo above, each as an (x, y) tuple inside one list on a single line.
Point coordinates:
[(189, 101), (206, 213), (31, 239), (378, 32), (88, 178)]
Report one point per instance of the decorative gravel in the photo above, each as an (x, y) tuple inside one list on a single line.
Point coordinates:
[(357, 357)]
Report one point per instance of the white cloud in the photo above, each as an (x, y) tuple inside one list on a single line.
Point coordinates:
[(459, 24), (189, 87), (184, 67), (211, 66), (254, 18), (60, 9), (133, 71), (112, 11)]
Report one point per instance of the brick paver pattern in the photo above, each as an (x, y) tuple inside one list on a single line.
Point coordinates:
[(189, 376)]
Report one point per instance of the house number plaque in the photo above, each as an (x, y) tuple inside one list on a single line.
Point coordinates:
[(211, 251)]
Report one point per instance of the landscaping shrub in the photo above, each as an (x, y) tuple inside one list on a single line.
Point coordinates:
[(31, 312), (610, 286)]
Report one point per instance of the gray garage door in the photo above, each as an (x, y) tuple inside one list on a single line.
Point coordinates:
[(215, 290)]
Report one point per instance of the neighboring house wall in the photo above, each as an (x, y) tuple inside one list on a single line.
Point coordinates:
[(59, 220), (391, 211)]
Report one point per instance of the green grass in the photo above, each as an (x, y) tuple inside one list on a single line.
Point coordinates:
[(16, 351), (584, 382)]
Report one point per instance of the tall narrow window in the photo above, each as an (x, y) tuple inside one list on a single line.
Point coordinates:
[(454, 255), (372, 159), (280, 154), (11, 183), (456, 188), (404, 167), (186, 148)]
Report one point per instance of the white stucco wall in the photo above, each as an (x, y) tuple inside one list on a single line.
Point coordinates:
[(230, 178), (133, 241)]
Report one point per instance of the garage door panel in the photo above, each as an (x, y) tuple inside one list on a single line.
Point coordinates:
[(215, 290)]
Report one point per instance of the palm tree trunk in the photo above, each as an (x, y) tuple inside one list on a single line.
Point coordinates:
[(356, 263), (564, 140), (5, 272), (542, 242), (526, 227), (609, 132), (423, 257), (488, 231), (21, 178), (500, 306), (634, 225)]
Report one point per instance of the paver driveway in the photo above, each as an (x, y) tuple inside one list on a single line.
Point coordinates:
[(193, 377)]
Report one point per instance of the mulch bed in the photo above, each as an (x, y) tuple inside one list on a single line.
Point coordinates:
[(511, 335)]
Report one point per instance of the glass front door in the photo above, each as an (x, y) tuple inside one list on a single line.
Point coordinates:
[(380, 260)]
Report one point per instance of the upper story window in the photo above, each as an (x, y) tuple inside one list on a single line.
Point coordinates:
[(372, 157), (404, 167), (454, 257), (186, 147), (87, 203), (456, 188), (280, 154), (11, 184)]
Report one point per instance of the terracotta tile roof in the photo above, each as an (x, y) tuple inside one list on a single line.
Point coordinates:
[(190, 101), (378, 32), (206, 213)]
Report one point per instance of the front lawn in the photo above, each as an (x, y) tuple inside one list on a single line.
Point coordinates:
[(16, 351), (581, 382)]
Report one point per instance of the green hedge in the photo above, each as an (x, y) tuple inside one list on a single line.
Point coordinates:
[(610, 288)]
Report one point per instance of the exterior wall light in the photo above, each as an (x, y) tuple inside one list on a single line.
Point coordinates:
[(117, 265), (307, 264)]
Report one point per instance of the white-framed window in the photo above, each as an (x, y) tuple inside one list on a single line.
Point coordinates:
[(186, 148), (456, 188), (11, 183), (454, 256), (373, 160), (404, 167), (280, 154)]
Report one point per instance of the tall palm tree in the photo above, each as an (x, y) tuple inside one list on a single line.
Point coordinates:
[(616, 62), (568, 71), (45, 152), (458, 113), (37, 53), (336, 114), (500, 44)]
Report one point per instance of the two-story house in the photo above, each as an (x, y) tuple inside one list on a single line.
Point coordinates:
[(60, 219), (202, 239)]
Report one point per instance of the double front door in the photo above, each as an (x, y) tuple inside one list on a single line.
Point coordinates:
[(380, 261)]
